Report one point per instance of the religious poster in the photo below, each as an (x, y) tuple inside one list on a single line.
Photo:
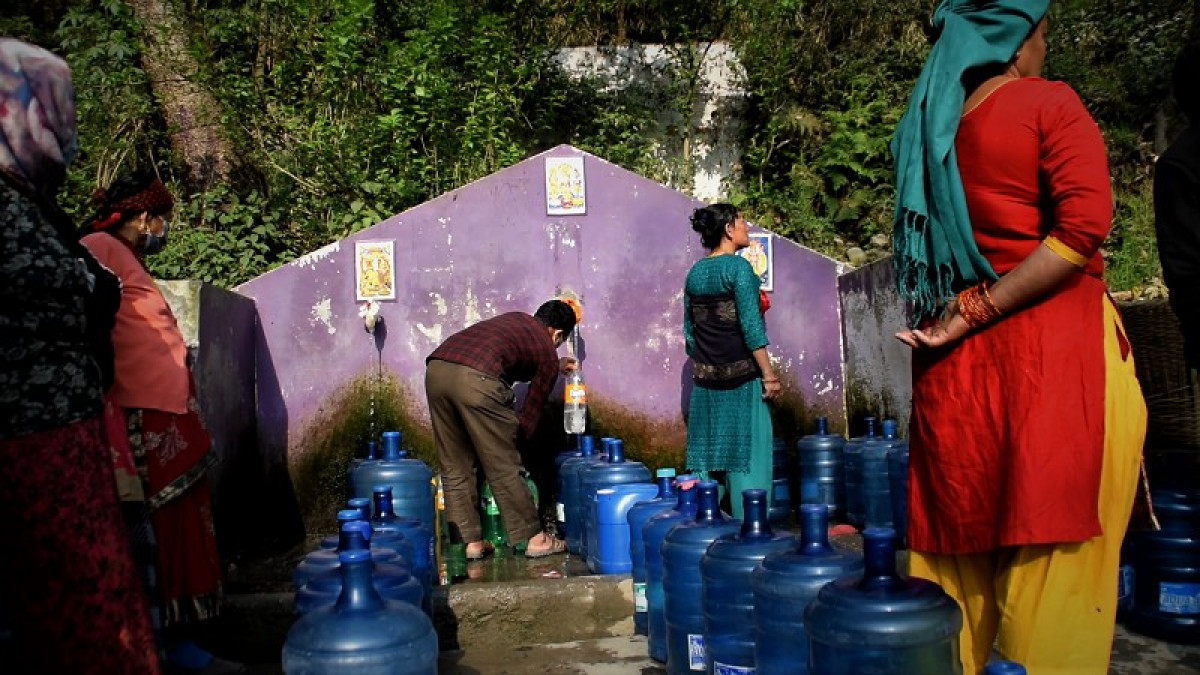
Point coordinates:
[(375, 270), (566, 191), (761, 254)]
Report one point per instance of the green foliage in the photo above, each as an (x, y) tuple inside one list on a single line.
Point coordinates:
[(344, 112), (829, 80), (117, 116)]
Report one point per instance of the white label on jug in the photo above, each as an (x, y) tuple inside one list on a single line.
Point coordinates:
[(561, 510), (726, 669), (695, 652), (1125, 587), (639, 597), (1175, 598)]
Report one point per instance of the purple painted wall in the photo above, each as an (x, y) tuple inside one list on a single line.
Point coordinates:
[(488, 248)]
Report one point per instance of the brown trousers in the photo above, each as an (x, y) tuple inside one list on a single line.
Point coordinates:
[(474, 422)]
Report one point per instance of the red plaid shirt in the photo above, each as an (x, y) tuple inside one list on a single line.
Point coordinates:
[(514, 347)]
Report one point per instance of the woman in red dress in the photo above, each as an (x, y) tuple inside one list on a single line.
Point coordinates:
[(153, 401), (1028, 420)]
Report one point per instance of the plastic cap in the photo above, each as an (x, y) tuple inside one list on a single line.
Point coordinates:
[(391, 434), (822, 426), (381, 489), (346, 515), (664, 473), (358, 502), (357, 526), (354, 556), (889, 428), (587, 444), (616, 451)]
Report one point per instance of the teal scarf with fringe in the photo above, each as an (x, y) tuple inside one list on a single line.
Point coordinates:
[(933, 248)]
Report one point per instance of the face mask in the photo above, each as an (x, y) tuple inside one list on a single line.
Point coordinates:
[(153, 243)]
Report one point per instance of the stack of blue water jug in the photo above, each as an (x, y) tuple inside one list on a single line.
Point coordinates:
[(361, 593)]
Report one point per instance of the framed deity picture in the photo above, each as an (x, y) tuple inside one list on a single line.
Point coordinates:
[(566, 188), (761, 254), (375, 270)]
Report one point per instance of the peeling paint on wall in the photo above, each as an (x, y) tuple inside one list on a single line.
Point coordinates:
[(432, 333), (439, 303), (310, 260), (322, 313)]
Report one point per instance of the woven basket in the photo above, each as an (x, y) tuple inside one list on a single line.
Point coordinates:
[(1171, 389)]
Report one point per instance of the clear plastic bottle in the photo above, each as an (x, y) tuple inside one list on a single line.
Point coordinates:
[(575, 402)]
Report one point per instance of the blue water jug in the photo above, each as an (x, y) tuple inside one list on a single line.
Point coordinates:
[(897, 460), (393, 582), (573, 451), (354, 537), (560, 505), (382, 539), (608, 551), (853, 454), (418, 541), (569, 477), (781, 491), (683, 588), (615, 470), (879, 622), (822, 468), (637, 517), (1166, 570), (584, 506), (371, 456), (876, 484), (728, 601), (783, 585), (653, 533), (411, 480), (362, 633), (1003, 668), (344, 516)]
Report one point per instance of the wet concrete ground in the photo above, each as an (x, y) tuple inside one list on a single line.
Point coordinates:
[(512, 615)]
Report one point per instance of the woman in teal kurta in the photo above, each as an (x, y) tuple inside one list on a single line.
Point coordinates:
[(729, 424)]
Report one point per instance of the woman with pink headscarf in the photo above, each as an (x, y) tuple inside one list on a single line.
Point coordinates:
[(67, 580)]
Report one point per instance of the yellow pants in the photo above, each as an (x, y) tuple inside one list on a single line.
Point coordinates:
[(1052, 607)]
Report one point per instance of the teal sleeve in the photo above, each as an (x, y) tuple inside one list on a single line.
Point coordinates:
[(745, 293)]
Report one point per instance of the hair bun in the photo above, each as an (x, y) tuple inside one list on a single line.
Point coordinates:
[(698, 219), (99, 197)]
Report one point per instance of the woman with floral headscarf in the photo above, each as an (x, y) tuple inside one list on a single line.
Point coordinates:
[(67, 580), (1027, 421)]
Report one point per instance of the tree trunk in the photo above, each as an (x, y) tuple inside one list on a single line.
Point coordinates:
[(192, 114)]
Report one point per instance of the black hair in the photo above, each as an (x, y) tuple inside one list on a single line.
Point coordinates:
[(1183, 80), (121, 188), (710, 222), (556, 314)]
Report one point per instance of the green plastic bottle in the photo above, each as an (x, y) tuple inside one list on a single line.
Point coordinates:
[(493, 526)]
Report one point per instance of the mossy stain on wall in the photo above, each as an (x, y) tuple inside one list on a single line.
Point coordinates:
[(339, 433)]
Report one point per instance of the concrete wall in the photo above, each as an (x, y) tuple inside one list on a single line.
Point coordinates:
[(252, 499), (653, 73), (488, 248), (878, 366)]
